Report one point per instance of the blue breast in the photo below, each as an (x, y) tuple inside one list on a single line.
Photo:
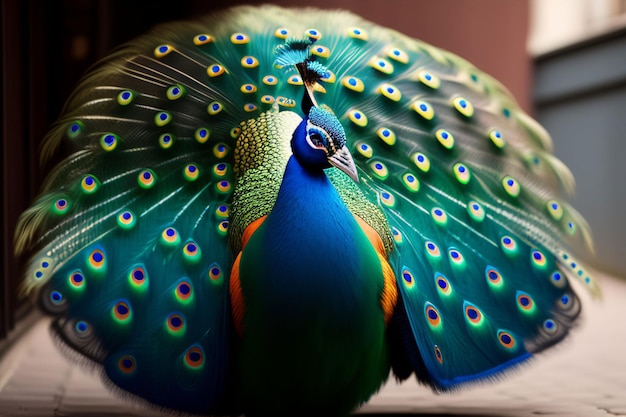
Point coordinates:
[(312, 283)]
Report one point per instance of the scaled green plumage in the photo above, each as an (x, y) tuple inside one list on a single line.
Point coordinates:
[(179, 142)]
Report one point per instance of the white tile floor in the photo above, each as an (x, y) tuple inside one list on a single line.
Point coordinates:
[(586, 377)]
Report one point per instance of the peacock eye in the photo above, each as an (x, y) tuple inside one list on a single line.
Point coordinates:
[(317, 138)]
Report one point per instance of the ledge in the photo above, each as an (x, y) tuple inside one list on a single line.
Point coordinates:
[(586, 67)]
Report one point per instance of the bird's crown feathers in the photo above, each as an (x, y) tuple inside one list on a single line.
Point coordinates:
[(295, 54)]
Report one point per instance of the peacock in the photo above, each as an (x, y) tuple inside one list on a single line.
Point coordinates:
[(271, 210)]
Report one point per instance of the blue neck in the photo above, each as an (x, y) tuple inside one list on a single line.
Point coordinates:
[(307, 191), (310, 214), (310, 248)]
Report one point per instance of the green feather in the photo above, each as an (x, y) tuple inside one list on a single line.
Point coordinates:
[(261, 155)]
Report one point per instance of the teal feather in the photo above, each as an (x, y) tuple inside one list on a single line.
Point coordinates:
[(175, 144)]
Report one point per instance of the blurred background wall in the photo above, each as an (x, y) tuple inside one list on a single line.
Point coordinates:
[(532, 46), (579, 94)]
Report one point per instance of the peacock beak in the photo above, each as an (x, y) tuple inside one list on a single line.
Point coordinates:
[(342, 159)]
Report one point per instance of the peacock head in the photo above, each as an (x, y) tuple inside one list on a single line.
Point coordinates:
[(320, 142)]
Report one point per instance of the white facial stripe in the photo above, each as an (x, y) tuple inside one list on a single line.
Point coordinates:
[(328, 147)]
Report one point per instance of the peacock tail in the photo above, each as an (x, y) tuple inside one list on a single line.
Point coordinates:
[(178, 143)]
